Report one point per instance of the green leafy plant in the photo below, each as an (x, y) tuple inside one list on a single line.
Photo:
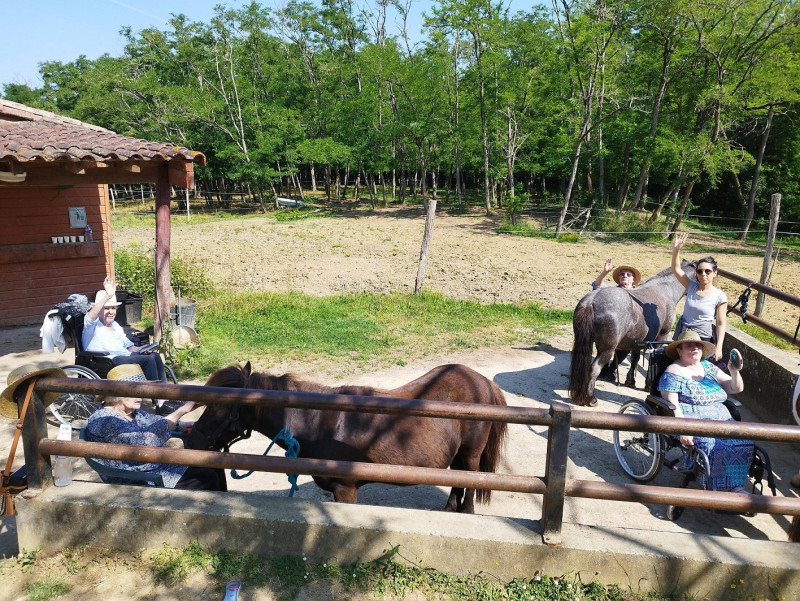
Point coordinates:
[(47, 589)]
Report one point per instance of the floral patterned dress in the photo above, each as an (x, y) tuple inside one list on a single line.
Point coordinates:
[(702, 399), (144, 429)]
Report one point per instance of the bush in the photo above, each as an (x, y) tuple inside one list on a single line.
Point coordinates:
[(135, 272), (627, 226)]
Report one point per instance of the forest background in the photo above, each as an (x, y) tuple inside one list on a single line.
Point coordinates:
[(653, 107)]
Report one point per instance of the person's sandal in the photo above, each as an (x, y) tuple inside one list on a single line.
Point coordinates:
[(736, 360), (232, 590)]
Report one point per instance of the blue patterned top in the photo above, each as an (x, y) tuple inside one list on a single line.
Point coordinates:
[(145, 429), (698, 398)]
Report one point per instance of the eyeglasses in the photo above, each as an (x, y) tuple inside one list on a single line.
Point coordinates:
[(704, 271), (626, 274), (693, 344)]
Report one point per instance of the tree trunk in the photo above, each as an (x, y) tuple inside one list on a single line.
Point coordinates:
[(686, 194), (751, 199), (626, 163), (430, 215), (313, 178)]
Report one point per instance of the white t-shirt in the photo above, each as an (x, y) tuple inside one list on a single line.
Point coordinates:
[(700, 312), (99, 339)]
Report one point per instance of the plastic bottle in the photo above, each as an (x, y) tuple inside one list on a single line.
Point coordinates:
[(88, 233), (62, 466)]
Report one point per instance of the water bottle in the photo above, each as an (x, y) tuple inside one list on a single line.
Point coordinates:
[(62, 466), (87, 233)]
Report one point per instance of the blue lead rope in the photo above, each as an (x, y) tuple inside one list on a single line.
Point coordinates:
[(292, 450)]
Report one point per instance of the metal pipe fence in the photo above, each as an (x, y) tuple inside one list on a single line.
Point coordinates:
[(762, 289), (554, 485)]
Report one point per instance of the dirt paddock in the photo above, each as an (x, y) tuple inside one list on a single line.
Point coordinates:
[(378, 251)]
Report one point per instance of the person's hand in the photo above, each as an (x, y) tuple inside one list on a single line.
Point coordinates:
[(687, 440), (110, 286), (679, 240), (735, 363), (609, 266)]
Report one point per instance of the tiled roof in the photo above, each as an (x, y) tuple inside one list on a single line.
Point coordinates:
[(32, 135)]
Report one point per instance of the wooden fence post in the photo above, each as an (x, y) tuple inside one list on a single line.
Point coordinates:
[(774, 215), (556, 476)]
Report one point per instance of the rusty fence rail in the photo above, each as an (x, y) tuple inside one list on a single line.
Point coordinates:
[(741, 306), (554, 485)]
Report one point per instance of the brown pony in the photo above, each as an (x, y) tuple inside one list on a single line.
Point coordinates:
[(371, 438)]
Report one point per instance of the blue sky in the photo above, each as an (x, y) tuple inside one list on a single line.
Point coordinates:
[(36, 31)]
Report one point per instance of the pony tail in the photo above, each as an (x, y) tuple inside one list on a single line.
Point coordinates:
[(490, 457), (580, 365)]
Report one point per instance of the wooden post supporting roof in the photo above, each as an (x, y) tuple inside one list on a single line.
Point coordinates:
[(162, 258)]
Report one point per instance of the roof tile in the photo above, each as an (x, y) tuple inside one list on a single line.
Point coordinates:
[(49, 137)]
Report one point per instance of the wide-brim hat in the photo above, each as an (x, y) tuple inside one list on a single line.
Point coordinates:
[(111, 302), (637, 277), (127, 372), (15, 381), (689, 336)]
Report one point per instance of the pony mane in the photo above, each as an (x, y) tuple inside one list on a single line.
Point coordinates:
[(292, 383)]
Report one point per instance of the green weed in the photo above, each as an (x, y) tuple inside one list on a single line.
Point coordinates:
[(46, 589)]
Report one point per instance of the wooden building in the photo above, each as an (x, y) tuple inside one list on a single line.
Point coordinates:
[(54, 177)]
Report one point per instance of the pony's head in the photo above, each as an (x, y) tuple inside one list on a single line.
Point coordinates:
[(219, 426)]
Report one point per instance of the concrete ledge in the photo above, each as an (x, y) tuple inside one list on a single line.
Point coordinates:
[(770, 376), (133, 518)]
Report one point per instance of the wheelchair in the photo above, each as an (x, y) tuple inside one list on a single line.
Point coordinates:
[(71, 408), (642, 455)]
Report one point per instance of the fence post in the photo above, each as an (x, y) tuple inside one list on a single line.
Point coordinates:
[(774, 215), (34, 429), (556, 474)]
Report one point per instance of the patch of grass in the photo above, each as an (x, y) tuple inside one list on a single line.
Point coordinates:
[(391, 576), (356, 329), (766, 337), (47, 589)]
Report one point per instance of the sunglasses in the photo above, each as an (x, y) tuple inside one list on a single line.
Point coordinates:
[(693, 344), (704, 271), (626, 274)]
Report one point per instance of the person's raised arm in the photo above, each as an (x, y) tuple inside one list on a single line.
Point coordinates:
[(677, 242), (110, 288), (607, 268), (732, 384)]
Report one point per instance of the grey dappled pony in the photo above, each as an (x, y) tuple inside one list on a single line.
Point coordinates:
[(615, 318)]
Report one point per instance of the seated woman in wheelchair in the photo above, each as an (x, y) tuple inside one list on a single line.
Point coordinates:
[(102, 334), (121, 421), (697, 389)]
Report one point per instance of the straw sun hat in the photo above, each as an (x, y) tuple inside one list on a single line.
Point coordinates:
[(127, 372), (15, 389), (637, 277), (689, 336)]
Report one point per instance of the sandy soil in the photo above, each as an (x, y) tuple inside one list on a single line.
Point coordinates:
[(378, 251)]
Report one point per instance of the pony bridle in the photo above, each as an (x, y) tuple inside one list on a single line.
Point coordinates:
[(230, 423)]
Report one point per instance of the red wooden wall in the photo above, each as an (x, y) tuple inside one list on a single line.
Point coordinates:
[(35, 274)]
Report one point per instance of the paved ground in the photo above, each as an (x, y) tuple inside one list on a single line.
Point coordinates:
[(530, 377)]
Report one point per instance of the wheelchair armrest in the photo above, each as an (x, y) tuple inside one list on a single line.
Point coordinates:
[(732, 401), (93, 354), (659, 401)]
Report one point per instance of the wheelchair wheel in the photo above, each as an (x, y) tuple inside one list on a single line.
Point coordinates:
[(639, 453), (72, 408)]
